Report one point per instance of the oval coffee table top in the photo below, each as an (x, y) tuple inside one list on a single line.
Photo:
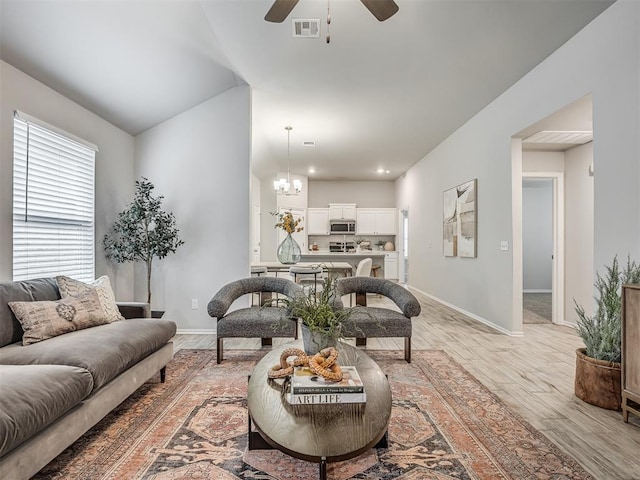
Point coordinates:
[(334, 432)]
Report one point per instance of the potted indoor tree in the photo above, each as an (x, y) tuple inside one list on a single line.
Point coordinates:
[(598, 373), (143, 231)]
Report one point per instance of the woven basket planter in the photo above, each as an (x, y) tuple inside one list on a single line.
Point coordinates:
[(598, 382)]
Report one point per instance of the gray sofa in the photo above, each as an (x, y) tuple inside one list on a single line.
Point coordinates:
[(53, 391)]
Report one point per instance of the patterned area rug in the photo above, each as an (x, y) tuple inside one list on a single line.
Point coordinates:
[(445, 425)]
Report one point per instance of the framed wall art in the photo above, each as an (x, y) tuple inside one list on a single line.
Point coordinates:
[(459, 220)]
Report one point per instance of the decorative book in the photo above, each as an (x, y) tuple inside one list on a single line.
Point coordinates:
[(321, 398), (305, 382)]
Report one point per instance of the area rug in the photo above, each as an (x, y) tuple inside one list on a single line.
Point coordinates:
[(445, 425)]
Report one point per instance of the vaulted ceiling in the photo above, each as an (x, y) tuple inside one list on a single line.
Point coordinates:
[(381, 94)]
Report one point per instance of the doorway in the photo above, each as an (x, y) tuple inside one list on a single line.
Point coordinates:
[(558, 148), (537, 249), (549, 197), (404, 248)]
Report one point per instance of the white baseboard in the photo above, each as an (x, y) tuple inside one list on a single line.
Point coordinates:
[(536, 290), (195, 331), (471, 315)]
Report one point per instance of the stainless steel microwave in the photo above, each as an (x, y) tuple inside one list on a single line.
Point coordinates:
[(342, 227)]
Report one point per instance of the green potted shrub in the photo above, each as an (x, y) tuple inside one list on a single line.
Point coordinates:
[(598, 374), (143, 231), (321, 316)]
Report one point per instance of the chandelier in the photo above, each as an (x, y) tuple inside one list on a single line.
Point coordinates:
[(283, 185)]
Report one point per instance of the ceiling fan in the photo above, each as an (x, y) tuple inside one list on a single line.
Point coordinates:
[(381, 9)]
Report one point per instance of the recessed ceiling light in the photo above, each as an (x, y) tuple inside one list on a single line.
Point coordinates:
[(380, 170), (312, 170)]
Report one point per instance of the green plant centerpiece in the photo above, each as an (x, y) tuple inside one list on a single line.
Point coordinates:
[(143, 231), (598, 364), (322, 317)]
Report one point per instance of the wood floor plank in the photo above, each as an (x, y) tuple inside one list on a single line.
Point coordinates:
[(532, 374)]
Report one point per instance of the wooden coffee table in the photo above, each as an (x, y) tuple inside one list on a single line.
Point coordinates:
[(319, 433)]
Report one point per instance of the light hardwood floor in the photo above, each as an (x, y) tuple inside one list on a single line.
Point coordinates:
[(533, 375)]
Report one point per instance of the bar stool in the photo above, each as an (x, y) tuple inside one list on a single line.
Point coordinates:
[(364, 268), (307, 277), (374, 270), (257, 271)]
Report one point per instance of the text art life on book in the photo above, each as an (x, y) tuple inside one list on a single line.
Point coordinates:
[(320, 398), (305, 382)]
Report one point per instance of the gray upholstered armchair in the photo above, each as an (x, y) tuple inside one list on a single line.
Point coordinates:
[(366, 322), (252, 322)]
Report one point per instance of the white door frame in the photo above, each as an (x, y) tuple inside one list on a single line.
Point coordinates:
[(557, 272), (400, 244)]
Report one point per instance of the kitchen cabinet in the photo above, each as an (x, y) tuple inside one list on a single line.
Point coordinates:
[(391, 265), (342, 211), (376, 221), (317, 221)]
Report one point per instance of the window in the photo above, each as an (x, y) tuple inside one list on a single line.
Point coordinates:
[(53, 202)]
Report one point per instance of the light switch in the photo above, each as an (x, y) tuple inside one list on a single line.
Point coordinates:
[(504, 245)]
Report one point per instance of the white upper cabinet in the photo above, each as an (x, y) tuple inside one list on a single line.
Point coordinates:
[(376, 221), (342, 211), (317, 221), (366, 222), (386, 222)]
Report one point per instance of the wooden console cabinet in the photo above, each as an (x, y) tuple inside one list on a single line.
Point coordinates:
[(630, 351)]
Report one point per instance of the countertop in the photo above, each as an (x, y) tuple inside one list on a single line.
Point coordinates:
[(365, 253)]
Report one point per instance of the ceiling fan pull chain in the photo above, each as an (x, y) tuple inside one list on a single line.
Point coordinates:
[(328, 21)]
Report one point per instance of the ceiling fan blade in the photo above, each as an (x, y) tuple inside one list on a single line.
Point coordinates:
[(280, 10), (381, 9)]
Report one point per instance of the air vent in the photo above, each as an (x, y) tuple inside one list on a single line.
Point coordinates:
[(305, 27), (563, 137), (309, 143)]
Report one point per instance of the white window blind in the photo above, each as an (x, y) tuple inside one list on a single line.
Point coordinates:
[(53, 204)]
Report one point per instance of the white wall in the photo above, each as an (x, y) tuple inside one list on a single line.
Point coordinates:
[(579, 231), (114, 164), (602, 59), (537, 235), (543, 161), (373, 194), (268, 234), (199, 160)]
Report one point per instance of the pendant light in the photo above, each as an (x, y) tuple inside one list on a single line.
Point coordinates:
[(283, 185)]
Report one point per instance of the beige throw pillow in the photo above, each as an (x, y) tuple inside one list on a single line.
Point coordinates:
[(43, 320), (102, 286)]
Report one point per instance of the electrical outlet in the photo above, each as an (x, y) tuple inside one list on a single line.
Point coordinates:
[(194, 304), (504, 245)]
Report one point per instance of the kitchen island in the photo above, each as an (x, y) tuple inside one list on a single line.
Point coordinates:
[(352, 257)]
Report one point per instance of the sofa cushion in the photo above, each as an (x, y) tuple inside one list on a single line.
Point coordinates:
[(102, 286), (26, 291), (34, 396), (47, 319), (106, 351)]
